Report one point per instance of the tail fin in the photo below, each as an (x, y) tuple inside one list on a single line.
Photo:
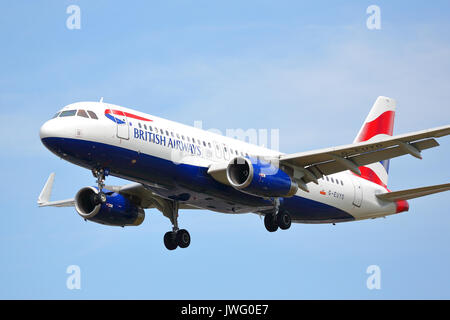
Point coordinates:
[(378, 124)]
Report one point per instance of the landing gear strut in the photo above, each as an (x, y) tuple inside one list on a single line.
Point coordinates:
[(177, 237), (279, 218), (100, 174)]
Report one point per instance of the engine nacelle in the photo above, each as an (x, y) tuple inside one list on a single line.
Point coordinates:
[(116, 211), (259, 177)]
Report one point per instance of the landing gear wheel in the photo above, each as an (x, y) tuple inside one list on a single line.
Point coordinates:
[(183, 239), (270, 223), (177, 237), (284, 220), (170, 241)]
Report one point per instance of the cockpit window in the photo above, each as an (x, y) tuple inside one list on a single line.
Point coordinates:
[(68, 113), (92, 114), (56, 115), (82, 113)]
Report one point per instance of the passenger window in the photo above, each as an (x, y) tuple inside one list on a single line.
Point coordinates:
[(189, 140), (92, 115), (167, 133), (182, 137), (178, 136), (140, 126), (327, 178), (68, 113), (204, 143), (145, 126), (342, 183), (209, 144), (171, 133), (150, 127), (332, 180)]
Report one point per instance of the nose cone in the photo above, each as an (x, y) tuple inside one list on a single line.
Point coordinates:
[(47, 130), (52, 133)]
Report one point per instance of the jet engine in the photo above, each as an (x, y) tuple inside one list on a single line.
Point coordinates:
[(260, 177), (117, 210)]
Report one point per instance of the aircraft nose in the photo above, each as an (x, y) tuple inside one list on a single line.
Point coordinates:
[(54, 129), (47, 130), (52, 133)]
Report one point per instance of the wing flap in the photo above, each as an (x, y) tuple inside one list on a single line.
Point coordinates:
[(413, 193)]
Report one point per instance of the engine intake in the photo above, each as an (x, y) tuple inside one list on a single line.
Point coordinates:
[(260, 177), (116, 211)]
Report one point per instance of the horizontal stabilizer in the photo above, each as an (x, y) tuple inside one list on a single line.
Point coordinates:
[(413, 193)]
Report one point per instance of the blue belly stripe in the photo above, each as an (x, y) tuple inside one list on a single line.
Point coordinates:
[(184, 179)]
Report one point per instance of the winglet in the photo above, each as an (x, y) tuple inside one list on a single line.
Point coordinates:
[(46, 192)]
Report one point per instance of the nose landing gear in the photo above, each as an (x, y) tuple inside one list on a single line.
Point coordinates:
[(100, 174)]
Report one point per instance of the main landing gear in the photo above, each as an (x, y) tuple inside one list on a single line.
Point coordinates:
[(177, 237), (279, 218), (100, 174)]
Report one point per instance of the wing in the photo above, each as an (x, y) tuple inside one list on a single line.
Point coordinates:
[(136, 192), (142, 196), (413, 193), (44, 196), (312, 165)]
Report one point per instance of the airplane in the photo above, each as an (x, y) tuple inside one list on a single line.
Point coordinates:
[(172, 166)]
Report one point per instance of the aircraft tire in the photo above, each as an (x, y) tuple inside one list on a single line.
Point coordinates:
[(284, 220), (270, 223), (170, 241), (183, 238)]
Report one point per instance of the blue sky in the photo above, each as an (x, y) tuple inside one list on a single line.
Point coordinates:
[(311, 70)]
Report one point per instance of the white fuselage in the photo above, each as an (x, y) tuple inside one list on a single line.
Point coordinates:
[(172, 159)]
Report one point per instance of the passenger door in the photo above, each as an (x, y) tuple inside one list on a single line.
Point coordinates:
[(357, 200), (123, 127)]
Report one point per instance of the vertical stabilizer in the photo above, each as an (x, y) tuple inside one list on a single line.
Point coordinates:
[(379, 124)]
